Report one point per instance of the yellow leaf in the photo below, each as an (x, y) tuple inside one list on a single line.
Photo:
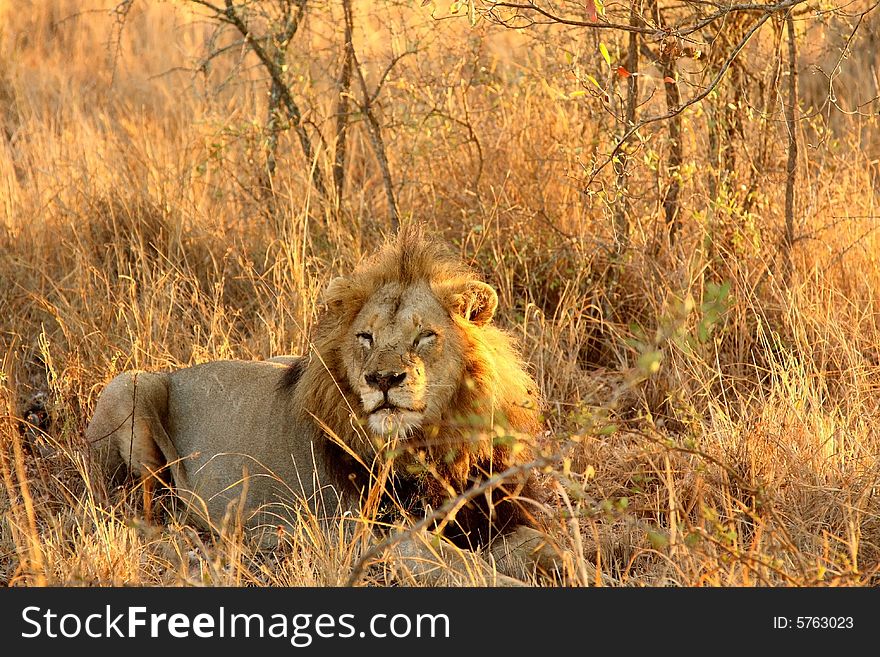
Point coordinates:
[(605, 55), (593, 80)]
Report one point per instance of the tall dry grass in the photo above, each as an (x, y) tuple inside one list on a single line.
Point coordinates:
[(715, 424)]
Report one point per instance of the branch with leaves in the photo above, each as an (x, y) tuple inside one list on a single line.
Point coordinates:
[(675, 111)]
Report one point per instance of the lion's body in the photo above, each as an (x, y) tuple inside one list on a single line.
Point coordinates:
[(405, 366), (213, 427)]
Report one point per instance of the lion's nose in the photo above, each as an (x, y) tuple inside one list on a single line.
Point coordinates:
[(384, 381)]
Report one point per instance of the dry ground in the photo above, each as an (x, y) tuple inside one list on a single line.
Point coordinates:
[(716, 424)]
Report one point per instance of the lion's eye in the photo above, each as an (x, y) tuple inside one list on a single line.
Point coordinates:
[(365, 339), (424, 338)]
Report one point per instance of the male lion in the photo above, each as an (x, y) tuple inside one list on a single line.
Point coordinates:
[(406, 375)]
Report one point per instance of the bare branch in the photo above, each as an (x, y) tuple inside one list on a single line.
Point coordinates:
[(375, 133), (229, 14), (621, 209), (790, 110), (722, 12), (344, 86), (623, 27)]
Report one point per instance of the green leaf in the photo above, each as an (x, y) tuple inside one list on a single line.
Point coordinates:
[(649, 362), (658, 540)]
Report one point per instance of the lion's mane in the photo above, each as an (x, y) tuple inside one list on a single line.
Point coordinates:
[(491, 422)]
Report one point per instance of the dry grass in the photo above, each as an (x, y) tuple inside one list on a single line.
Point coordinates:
[(133, 233)]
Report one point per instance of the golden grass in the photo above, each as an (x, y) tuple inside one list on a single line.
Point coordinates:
[(133, 234)]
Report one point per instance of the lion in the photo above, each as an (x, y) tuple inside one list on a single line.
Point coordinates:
[(406, 373)]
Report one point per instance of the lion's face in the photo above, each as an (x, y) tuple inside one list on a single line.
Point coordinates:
[(403, 359)]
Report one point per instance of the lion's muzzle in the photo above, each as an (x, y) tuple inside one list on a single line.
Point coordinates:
[(384, 381), (390, 402)]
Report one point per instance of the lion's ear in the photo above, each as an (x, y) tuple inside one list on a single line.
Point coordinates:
[(476, 303), (338, 290)]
